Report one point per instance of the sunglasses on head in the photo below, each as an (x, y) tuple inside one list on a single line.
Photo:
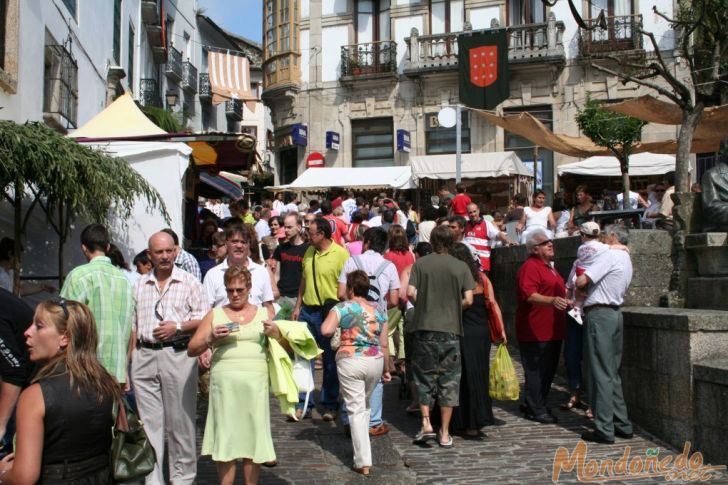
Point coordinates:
[(61, 302)]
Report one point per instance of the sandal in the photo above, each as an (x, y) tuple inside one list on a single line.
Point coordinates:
[(423, 436), (573, 402), (446, 444), (588, 414)]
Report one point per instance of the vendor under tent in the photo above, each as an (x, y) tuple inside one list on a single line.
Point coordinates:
[(502, 174), (355, 178)]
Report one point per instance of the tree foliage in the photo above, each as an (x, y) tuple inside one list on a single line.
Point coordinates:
[(67, 180), (162, 118), (611, 130)]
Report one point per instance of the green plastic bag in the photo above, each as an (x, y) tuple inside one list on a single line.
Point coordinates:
[(503, 381)]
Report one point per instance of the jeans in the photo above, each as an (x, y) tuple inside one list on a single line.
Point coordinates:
[(573, 351), (330, 389), (375, 403)]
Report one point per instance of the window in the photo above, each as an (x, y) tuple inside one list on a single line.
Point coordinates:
[(446, 16), (524, 12), (524, 148), (117, 31), (60, 94), (130, 57), (439, 139), (620, 22), (71, 5), (372, 21), (373, 142)]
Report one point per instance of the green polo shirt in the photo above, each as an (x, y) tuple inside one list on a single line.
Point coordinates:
[(107, 292), (328, 268)]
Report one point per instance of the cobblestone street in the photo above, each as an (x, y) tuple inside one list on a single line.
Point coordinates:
[(517, 452)]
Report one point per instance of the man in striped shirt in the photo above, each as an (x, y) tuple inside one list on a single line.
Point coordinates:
[(107, 292)]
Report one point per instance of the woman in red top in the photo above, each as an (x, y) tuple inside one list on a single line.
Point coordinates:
[(540, 323)]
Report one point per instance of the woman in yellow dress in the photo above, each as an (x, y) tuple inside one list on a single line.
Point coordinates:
[(238, 417)]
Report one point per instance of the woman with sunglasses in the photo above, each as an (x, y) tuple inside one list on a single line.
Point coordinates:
[(238, 417), (64, 418)]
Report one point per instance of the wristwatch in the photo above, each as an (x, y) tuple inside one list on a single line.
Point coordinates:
[(179, 329)]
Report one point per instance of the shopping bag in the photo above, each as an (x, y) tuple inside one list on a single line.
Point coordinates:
[(503, 381)]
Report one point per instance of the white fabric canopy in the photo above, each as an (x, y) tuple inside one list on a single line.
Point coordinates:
[(360, 178), (640, 165), (474, 165)]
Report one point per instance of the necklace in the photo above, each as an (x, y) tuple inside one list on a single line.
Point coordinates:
[(238, 314)]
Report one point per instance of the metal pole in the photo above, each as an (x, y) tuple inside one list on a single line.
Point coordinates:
[(458, 148)]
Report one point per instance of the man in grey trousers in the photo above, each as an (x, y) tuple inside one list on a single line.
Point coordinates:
[(606, 282)]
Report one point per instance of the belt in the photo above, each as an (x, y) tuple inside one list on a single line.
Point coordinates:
[(600, 305), (74, 470), (162, 345)]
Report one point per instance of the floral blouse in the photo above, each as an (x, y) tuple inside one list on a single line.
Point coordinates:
[(360, 330)]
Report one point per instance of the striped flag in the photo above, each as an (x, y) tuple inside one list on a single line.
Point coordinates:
[(230, 78)]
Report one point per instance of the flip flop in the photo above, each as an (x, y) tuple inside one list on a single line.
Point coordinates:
[(447, 444), (422, 437)]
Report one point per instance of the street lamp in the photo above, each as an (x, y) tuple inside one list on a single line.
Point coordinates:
[(171, 98)]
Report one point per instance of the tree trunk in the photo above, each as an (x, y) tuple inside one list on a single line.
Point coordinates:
[(18, 231), (624, 166), (61, 240), (684, 144)]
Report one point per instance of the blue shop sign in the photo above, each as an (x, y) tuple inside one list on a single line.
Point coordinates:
[(332, 140), (403, 141), (299, 133)]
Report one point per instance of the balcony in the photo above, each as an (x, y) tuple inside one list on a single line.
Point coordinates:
[(189, 77), (174, 65), (371, 59), (542, 42), (622, 35), (234, 109), (150, 12), (205, 89), (149, 93)]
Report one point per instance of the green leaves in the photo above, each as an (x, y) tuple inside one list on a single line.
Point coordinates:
[(59, 171), (607, 128)]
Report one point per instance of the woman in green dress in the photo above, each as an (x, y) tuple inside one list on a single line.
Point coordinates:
[(238, 417)]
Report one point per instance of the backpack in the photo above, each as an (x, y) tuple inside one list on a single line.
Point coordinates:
[(375, 293), (411, 229)]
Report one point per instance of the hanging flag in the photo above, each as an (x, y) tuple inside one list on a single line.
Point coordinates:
[(230, 78), (483, 64)]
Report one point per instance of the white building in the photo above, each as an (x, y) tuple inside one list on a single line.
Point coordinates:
[(365, 69)]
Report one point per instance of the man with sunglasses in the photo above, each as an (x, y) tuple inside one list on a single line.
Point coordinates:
[(107, 292), (540, 323), (170, 303)]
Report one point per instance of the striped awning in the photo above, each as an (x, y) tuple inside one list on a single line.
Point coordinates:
[(230, 78), (222, 185)]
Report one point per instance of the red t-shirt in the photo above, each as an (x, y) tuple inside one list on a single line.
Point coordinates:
[(338, 231), (336, 202), (539, 323), (400, 259), (460, 205)]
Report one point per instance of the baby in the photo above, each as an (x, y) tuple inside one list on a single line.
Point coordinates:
[(590, 249)]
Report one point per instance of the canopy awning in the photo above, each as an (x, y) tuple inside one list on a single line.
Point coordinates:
[(120, 119), (640, 165), (474, 165), (220, 184), (361, 178)]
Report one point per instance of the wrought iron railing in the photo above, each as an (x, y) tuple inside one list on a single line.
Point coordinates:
[(205, 89), (622, 33), (173, 70), (234, 109), (189, 77), (529, 41), (60, 96), (149, 93), (369, 58)]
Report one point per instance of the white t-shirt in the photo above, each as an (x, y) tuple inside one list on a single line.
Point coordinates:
[(425, 228), (633, 200), (261, 290), (6, 279), (262, 229), (610, 274), (279, 206), (290, 207), (387, 281), (537, 218), (375, 221), (349, 205)]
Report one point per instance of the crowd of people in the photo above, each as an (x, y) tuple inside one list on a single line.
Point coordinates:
[(382, 293)]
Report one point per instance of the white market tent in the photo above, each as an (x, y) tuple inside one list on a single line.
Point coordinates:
[(359, 178), (640, 165), (474, 165)]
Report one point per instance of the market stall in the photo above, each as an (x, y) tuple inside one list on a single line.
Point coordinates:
[(502, 174), (355, 178)]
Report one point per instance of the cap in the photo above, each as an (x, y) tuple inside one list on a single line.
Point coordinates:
[(257, 208), (589, 229)]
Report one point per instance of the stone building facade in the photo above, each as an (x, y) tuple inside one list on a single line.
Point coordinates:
[(365, 69)]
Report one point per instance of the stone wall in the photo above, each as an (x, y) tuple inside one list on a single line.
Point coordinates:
[(650, 251), (711, 407)]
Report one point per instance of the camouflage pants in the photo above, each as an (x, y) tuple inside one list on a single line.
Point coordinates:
[(436, 367)]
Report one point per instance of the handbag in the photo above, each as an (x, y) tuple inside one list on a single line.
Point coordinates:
[(336, 339), (132, 455), (303, 375), (495, 320)]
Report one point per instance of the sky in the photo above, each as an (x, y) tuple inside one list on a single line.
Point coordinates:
[(242, 17)]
